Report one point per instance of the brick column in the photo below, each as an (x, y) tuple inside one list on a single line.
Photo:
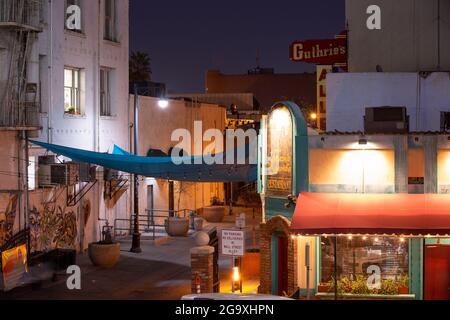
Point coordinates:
[(202, 267)]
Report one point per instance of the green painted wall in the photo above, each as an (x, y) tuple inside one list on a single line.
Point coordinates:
[(416, 267)]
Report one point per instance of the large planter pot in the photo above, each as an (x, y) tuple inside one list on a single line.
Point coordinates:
[(214, 214), (177, 227), (104, 255)]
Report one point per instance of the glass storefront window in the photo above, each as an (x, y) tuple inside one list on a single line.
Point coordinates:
[(365, 265)]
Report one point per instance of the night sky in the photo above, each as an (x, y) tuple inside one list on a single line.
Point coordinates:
[(185, 38)]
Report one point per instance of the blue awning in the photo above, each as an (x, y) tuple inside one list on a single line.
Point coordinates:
[(158, 167)]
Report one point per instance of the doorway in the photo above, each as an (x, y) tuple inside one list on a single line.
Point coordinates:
[(282, 265), (150, 206), (437, 272)]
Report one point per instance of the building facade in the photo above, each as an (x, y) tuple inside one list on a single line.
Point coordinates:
[(370, 211), (266, 86), (156, 128), (413, 36), (75, 78)]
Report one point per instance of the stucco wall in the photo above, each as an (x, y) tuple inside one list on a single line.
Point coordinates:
[(348, 94), (351, 170)]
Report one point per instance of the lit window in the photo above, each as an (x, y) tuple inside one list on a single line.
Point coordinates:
[(72, 91), (105, 92), (110, 32), (366, 265)]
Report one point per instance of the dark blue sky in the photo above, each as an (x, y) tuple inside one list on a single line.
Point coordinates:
[(185, 38)]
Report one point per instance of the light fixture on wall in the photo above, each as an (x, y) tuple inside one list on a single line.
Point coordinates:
[(362, 141), (163, 103)]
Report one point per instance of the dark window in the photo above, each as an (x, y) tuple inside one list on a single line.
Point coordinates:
[(445, 121)]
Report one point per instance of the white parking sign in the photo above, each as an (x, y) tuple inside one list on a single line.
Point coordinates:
[(233, 243)]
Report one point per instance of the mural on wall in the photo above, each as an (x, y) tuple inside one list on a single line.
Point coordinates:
[(8, 212), (53, 225)]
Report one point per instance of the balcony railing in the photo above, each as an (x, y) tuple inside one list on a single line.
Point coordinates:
[(22, 14)]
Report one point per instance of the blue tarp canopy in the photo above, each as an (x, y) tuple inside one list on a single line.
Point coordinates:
[(159, 167)]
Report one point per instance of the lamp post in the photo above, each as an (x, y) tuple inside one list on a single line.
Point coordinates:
[(162, 103), (136, 241)]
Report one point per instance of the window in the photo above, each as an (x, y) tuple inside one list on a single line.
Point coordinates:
[(72, 92), (366, 265), (110, 32), (105, 92), (68, 4), (445, 121)]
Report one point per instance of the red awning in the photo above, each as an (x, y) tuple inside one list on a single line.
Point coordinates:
[(400, 214)]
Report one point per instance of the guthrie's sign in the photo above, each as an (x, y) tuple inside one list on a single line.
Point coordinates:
[(326, 51)]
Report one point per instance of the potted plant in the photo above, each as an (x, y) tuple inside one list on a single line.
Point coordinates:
[(106, 253), (403, 284), (389, 287), (359, 286)]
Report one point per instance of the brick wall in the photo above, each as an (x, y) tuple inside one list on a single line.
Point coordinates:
[(282, 225), (202, 266)]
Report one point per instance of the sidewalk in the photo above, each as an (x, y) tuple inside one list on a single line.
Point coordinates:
[(160, 272)]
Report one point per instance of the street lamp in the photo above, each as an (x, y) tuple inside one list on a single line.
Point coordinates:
[(162, 103)]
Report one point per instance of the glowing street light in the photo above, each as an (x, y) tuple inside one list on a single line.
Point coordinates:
[(163, 103), (313, 116)]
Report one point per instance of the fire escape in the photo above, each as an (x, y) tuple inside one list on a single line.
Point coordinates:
[(19, 98)]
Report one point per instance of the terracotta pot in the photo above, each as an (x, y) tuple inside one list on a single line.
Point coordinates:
[(104, 255), (177, 227), (403, 290), (214, 214), (323, 288)]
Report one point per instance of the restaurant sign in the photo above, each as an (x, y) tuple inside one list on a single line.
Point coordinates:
[(279, 152), (321, 51)]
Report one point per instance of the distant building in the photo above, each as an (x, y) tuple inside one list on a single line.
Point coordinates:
[(266, 86), (406, 64)]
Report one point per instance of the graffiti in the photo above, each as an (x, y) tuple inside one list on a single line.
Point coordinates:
[(54, 227), (8, 216)]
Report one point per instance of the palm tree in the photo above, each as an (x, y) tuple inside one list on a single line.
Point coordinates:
[(140, 69)]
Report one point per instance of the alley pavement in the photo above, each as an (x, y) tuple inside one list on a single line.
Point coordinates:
[(160, 272)]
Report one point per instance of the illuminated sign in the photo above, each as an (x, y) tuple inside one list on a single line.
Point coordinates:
[(279, 152), (321, 51)]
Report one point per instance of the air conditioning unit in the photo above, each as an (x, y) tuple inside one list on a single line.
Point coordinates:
[(50, 175), (46, 160), (386, 120)]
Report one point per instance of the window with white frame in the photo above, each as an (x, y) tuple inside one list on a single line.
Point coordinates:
[(110, 32), (105, 92), (72, 91)]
